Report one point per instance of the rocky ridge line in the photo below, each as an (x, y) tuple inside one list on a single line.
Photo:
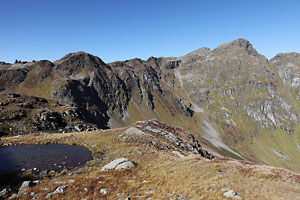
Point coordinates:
[(165, 137)]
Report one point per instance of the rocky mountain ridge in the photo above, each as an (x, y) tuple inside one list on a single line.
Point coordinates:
[(233, 99)]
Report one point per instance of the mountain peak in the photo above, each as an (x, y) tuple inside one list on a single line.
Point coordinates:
[(70, 55), (74, 63), (80, 55), (237, 44), (240, 42)]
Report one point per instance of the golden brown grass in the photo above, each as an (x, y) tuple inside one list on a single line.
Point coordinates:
[(159, 174)]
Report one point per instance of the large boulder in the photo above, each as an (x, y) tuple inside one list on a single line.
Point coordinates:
[(119, 163)]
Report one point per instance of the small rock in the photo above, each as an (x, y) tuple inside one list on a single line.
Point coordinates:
[(46, 188), (13, 196), (225, 189), (177, 153), (25, 186), (4, 192), (63, 172), (231, 194), (60, 189), (60, 182), (119, 195), (178, 197), (44, 173), (149, 192), (51, 173), (71, 180), (33, 195), (103, 191), (222, 171), (79, 128)]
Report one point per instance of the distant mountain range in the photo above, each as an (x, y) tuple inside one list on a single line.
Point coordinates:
[(233, 99)]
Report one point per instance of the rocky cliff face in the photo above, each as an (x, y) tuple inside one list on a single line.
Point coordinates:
[(101, 93), (235, 77), (234, 100), (287, 66), (249, 101)]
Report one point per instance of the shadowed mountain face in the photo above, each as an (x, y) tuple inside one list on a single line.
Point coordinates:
[(235, 101)]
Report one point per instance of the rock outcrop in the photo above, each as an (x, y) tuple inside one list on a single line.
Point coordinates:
[(22, 114), (165, 137)]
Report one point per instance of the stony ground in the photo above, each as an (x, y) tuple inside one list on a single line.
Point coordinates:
[(158, 173)]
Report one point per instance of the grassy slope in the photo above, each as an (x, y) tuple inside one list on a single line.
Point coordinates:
[(159, 174)]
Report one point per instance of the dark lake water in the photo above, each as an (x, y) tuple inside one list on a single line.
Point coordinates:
[(42, 157)]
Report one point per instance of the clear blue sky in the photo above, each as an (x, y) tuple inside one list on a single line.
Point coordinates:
[(124, 29)]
